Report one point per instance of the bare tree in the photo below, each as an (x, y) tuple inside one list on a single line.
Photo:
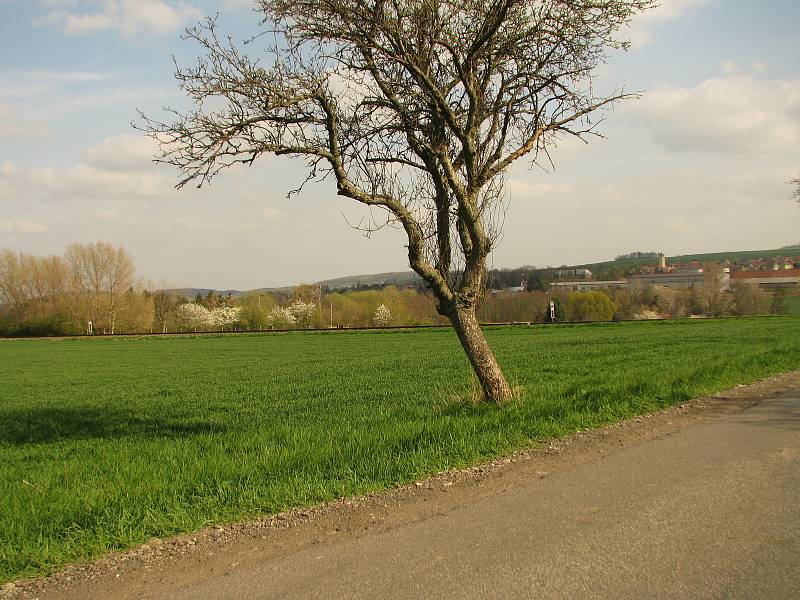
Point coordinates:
[(716, 282), (13, 281), (414, 107), (796, 183), (165, 301), (100, 274), (47, 276), (120, 282)]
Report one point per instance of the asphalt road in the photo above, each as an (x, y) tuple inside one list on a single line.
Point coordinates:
[(711, 510)]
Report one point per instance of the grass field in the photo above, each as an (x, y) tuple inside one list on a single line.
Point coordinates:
[(105, 443)]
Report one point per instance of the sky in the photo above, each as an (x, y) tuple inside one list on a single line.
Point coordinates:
[(701, 162)]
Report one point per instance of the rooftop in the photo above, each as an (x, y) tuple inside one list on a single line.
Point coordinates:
[(771, 273)]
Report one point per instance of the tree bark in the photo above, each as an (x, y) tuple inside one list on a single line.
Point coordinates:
[(493, 382)]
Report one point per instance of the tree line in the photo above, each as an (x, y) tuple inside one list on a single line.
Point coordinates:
[(93, 289), (89, 287)]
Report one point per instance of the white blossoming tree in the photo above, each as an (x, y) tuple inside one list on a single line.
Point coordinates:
[(303, 313), (193, 316), (382, 316), (225, 316), (280, 318)]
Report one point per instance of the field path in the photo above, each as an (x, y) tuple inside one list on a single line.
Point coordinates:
[(701, 501)]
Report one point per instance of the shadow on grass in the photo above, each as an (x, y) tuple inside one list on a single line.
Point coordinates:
[(42, 425)]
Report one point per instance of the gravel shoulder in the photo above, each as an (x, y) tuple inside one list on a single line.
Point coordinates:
[(162, 568)]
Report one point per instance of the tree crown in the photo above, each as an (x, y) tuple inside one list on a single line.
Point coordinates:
[(418, 107)]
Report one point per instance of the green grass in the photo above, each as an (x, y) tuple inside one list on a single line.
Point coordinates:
[(105, 443)]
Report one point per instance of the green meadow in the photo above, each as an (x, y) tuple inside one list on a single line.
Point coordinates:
[(107, 442)]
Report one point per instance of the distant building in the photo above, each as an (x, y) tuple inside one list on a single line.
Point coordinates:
[(771, 279), (772, 263), (783, 264), (584, 286), (692, 267), (575, 272), (678, 278)]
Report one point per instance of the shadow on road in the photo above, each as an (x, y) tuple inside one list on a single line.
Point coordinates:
[(783, 413)]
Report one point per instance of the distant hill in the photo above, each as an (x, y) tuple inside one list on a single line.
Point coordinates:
[(392, 278), (735, 255), (192, 292), (336, 284)]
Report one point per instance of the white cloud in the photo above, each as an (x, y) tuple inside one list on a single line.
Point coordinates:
[(680, 206), (45, 100), (668, 10), (191, 225), (729, 67), (129, 17), (83, 23), (723, 115), (58, 77), (239, 4), (22, 226), (122, 153), (271, 214), (82, 180), (8, 168), (110, 215), (78, 183), (32, 100), (521, 189), (732, 68), (641, 30), (15, 125)]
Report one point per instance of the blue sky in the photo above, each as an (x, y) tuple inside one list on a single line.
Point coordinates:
[(700, 162)]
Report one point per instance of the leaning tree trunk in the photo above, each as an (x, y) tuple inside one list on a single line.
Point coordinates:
[(493, 382)]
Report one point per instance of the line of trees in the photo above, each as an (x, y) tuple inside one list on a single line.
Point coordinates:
[(90, 287), (93, 288)]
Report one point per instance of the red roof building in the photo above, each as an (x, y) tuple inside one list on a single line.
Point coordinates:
[(773, 278)]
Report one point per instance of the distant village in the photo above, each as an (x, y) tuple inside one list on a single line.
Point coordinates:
[(767, 273)]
